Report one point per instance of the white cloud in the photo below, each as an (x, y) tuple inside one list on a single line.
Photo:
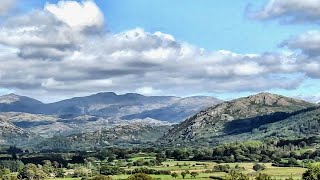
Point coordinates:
[(308, 43), (315, 98), (147, 91), (52, 55), (289, 11), (6, 5), (78, 16)]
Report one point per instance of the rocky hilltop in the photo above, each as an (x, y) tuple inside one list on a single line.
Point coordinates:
[(108, 119), (11, 134), (89, 114), (235, 117), (128, 133), (16, 103), (177, 111)]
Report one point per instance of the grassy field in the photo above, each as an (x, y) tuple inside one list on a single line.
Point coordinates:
[(201, 167)]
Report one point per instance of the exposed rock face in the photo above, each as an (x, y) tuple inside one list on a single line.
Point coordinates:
[(177, 111), (108, 118), (10, 133), (89, 114), (128, 133), (239, 115)]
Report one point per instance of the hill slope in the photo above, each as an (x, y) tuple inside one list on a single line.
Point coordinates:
[(128, 133), (127, 106), (108, 104), (234, 117), (11, 134), (16, 103), (178, 111)]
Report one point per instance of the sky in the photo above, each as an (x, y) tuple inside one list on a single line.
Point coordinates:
[(51, 50)]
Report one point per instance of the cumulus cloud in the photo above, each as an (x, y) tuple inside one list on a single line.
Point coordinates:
[(78, 16), (289, 11), (308, 43), (314, 99), (6, 5), (47, 52), (38, 35)]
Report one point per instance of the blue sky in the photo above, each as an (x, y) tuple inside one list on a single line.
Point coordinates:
[(211, 25)]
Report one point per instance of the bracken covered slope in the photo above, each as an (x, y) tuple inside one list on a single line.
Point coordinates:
[(234, 117)]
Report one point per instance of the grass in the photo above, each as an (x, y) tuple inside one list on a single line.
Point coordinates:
[(65, 179), (201, 176), (201, 167)]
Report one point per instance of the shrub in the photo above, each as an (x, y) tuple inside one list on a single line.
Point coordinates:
[(216, 177), (194, 174), (102, 177), (263, 177), (259, 167), (235, 175), (222, 168), (140, 176), (174, 175), (313, 173)]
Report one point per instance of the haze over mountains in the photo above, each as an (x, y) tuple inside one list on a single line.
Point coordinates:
[(108, 119), (110, 104), (91, 113)]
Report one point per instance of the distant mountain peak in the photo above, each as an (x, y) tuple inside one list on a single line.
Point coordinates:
[(9, 98), (273, 99), (13, 98), (107, 93), (252, 111), (133, 95)]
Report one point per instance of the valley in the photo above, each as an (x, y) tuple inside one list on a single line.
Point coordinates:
[(118, 136)]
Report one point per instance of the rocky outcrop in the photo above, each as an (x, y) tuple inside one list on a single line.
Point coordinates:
[(10, 133), (238, 115)]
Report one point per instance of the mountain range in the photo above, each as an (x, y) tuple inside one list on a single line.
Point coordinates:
[(108, 119), (241, 119), (93, 113)]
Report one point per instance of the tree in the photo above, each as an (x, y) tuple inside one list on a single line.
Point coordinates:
[(235, 175), (13, 165), (259, 167), (55, 164), (77, 159), (48, 168), (140, 176), (9, 177), (222, 168), (31, 171), (102, 177), (292, 162), (14, 151), (160, 157), (263, 177), (194, 174), (174, 175), (81, 172), (183, 174), (313, 173), (290, 178), (4, 172), (59, 173), (111, 170)]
